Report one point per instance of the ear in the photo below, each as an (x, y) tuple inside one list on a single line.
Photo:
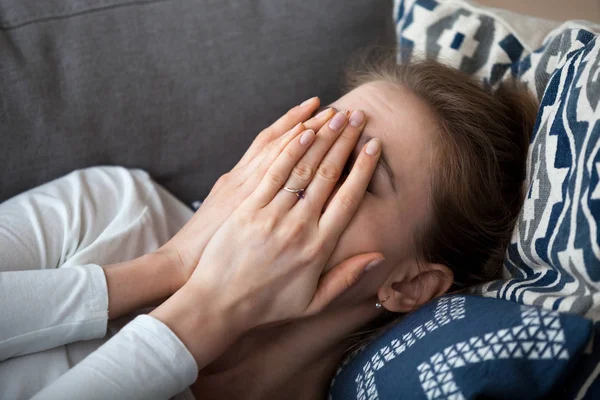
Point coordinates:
[(407, 292)]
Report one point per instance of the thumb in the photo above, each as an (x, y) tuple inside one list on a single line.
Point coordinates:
[(341, 278)]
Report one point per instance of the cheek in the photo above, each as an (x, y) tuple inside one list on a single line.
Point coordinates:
[(360, 236), (371, 229)]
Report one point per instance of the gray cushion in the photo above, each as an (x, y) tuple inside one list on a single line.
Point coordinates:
[(176, 87)]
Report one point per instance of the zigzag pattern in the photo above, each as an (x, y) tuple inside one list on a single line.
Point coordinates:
[(540, 337), (447, 309)]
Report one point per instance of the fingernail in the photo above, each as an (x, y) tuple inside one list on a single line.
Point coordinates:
[(307, 136), (374, 263), (337, 122), (307, 102), (322, 113), (356, 118), (373, 147)]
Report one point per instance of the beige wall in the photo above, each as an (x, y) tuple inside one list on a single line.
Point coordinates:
[(559, 10)]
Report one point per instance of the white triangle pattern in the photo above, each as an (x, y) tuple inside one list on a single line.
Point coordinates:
[(447, 310), (539, 337)]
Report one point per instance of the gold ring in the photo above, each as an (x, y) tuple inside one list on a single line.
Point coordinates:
[(297, 192)]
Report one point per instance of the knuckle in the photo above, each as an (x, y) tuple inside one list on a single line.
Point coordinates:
[(292, 111), (303, 171), (266, 137), (262, 137), (347, 203), (223, 180), (313, 124), (290, 152), (348, 283), (291, 117), (328, 134), (296, 230), (316, 251), (275, 179), (242, 217), (330, 171), (348, 134), (269, 225)]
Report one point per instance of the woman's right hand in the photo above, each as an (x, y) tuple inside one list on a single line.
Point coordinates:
[(186, 247), (265, 263), (133, 284)]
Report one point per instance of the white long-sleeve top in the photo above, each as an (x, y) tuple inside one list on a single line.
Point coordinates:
[(55, 338)]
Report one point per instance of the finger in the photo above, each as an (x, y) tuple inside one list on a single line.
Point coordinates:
[(253, 171), (280, 170), (294, 115), (341, 278), (257, 166), (306, 167), (330, 169), (348, 197), (315, 123)]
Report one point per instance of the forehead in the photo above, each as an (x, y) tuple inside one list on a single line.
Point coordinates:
[(390, 105), (405, 125)]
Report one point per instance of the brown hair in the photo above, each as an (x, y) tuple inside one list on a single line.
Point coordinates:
[(479, 164)]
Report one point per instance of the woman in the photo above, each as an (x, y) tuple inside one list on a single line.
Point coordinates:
[(440, 211)]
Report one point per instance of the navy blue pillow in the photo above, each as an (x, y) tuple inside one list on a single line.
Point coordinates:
[(553, 261), (465, 347)]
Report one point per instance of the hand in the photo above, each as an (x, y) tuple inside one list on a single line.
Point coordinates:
[(264, 264), (133, 284), (186, 247)]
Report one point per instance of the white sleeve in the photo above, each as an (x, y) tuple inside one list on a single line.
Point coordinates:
[(44, 306), (53, 239), (145, 360), (43, 309)]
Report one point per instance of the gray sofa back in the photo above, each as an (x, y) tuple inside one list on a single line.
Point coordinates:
[(176, 87)]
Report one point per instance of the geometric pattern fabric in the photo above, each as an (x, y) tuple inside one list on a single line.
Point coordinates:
[(465, 346), (540, 337), (524, 347)]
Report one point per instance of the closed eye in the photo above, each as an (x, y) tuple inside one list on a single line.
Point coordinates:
[(348, 168)]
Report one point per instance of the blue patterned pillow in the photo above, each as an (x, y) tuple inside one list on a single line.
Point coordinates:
[(466, 347), (472, 39), (554, 258), (553, 262)]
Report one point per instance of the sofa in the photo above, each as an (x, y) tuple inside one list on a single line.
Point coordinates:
[(180, 88)]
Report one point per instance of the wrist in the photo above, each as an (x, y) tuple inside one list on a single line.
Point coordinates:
[(138, 283), (168, 267), (196, 319)]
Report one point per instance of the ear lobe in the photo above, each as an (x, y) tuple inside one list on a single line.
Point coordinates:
[(411, 293)]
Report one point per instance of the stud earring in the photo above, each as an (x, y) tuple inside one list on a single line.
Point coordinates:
[(379, 304)]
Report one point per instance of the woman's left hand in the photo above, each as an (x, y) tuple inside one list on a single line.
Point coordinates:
[(265, 263), (186, 247)]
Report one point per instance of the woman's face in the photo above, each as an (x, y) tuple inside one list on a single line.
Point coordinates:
[(397, 201)]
